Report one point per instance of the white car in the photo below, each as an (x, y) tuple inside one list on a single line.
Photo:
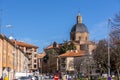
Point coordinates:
[(32, 77)]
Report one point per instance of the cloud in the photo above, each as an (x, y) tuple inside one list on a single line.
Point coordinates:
[(8, 26), (99, 31)]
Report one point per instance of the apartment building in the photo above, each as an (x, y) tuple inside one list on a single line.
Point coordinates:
[(12, 58), (76, 61), (31, 51), (68, 61)]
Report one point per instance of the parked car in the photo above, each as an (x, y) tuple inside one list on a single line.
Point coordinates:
[(24, 78), (32, 77), (37, 78), (46, 77)]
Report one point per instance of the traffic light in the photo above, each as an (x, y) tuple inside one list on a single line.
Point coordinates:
[(45, 58)]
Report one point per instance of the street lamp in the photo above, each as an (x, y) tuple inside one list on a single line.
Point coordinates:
[(109, 21), (41, 60)]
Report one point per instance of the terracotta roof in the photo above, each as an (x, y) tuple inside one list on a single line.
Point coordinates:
[(51, 47), (41, 55), (72, 53), (19, 43)]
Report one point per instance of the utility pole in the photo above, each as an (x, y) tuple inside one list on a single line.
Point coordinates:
[(109, 21), (41, 65)]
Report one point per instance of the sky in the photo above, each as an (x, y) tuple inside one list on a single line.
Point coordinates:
[(41, 22)]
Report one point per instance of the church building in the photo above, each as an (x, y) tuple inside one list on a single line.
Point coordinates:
[(80, 36), (71, 60)]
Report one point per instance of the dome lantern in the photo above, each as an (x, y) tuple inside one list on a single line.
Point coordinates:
[(79, 18)]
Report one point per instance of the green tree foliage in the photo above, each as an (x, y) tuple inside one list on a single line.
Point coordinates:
[(72, 46), (67, 46)]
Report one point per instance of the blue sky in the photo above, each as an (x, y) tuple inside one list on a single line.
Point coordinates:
[(40, 22)]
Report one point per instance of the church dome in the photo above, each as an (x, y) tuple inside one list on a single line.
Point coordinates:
[(79, 26)]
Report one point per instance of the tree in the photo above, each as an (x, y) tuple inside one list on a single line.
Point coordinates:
[(67, 46), (100, 55), (116, 23), (54, 44), (115, 40)]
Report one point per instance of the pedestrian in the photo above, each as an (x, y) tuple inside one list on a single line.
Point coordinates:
[(64, 77), (56, 76), (1, 78), (6, 78)]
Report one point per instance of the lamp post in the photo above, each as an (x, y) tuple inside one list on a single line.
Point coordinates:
[(41, 65), (109, 21)]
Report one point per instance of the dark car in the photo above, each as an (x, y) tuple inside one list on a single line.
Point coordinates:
[(24, 78)]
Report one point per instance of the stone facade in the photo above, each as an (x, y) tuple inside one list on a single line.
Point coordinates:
[(80, 36)]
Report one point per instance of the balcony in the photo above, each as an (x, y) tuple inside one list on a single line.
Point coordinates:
[(29, 51), (30, 56), (29, 62), (30, 66)]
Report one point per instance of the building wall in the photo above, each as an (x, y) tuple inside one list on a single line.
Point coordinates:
[(0, 57), (81, 36), (11, 57), (91, 48), (31, 52), (70, 64)]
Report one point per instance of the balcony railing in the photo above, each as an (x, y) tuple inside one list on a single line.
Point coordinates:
[(30, 56), (29, 51)]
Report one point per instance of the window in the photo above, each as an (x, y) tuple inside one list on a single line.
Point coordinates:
[(35, 61), (35, 55), (35, 66), (79, 38), (84, 47)]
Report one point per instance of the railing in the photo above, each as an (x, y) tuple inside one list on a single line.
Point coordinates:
[(29, 51)]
